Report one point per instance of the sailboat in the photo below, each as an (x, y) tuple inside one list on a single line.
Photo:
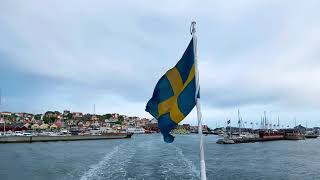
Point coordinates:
[(268, 134)]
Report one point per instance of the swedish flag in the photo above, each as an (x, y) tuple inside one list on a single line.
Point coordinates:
[(174, 95)]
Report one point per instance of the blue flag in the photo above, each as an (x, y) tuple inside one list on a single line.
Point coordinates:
[(174, 95)]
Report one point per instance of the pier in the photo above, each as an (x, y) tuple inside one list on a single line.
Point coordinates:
[(287, 136), (31, 139)]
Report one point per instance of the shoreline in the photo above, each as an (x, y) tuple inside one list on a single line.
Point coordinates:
[(31, 139)]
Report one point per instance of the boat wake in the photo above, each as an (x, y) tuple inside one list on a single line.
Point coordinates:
[(179, 167), (147, 159), (188, 163), (112, 166)]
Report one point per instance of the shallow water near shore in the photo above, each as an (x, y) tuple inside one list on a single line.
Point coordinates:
[(148, 157)]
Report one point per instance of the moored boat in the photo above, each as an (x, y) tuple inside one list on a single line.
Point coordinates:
[(136, 130), (271, 135), (225, 141), (294, 136), (311, 134)]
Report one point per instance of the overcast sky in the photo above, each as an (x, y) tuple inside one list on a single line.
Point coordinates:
[(253, 55)]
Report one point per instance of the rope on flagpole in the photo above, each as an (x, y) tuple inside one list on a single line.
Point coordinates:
[(199, 115)]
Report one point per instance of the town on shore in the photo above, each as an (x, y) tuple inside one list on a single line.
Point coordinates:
[(67, 123), (78, 123)]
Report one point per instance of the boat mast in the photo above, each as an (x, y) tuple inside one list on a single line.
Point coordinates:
[(306, 124), (94, 109), (229, 120), (239, 122), (265, 121)]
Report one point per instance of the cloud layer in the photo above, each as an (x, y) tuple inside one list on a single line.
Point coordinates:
[(255, 56)]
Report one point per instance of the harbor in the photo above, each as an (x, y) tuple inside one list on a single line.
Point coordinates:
[(266, 132)]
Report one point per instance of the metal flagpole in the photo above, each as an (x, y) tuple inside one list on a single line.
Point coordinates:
[(202, 161)]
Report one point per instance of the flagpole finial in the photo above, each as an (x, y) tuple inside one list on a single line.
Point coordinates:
[(193, 27)]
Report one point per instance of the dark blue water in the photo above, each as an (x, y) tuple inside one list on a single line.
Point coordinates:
[(148, 157)]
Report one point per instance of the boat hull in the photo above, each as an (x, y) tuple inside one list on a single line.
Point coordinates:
[(225, 141), (311, 136), (294, 137)]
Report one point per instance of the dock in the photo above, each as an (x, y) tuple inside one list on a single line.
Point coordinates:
[(244, 140), (258, 139), (31, 139)]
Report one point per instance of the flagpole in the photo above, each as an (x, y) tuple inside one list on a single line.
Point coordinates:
[(202, 161)]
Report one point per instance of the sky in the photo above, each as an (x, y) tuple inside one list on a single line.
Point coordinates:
[(254, 56)]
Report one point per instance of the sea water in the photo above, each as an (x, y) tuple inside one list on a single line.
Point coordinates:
[(146, 156)]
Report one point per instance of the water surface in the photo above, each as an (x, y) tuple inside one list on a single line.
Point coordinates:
[(148, 157)]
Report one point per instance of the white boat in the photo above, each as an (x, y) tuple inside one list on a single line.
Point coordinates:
[(225, 140), (18, 133), (248, 135), (136, 130), (27, 134)]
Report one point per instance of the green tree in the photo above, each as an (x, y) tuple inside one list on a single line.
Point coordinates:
[(106, 116), (11, 117), (37, 116), (67, 116), (118, 122), (120, 118), (53, 119), (46, 119)]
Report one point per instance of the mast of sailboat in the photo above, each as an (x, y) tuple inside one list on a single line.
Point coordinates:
[(265, 123), (270, 122), (94, 109), (229, 123), (306, 124), (239, 122)]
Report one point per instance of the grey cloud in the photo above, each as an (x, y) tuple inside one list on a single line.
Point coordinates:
[(250, 53)]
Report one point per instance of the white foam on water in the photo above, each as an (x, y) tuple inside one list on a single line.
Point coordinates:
[(188, 163), (94, 169), (179, 167), (112, 164)]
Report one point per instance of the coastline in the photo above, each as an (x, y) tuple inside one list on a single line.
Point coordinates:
[(31, 139)]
